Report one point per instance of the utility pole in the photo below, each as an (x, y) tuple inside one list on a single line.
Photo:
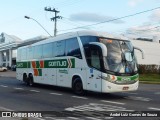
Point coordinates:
[(54, 18)]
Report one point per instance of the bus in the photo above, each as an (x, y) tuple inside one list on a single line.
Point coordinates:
[(83, 61)]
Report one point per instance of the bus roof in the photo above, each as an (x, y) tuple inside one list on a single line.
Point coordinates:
[(81, 33)]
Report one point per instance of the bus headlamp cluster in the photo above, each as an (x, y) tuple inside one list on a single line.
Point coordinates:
[(110, 78)]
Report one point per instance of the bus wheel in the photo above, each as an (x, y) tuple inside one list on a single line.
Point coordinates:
[(30, 80), (25, 80), (78, 87)]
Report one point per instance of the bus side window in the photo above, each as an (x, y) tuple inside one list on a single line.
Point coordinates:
[(30, 53), (47, 50), (54, 49), (87, 39), (60, 48), (95, 59), (72, 48), (23, 54), (38, 52), (19, 54)]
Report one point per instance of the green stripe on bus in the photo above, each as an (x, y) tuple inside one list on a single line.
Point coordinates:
[(59, 63), (131, 78), (39, 72), (22, 64)]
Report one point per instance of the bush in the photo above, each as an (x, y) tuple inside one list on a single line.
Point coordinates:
[(154, 69)]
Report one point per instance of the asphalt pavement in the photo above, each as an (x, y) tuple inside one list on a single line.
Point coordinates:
[(60, 103)]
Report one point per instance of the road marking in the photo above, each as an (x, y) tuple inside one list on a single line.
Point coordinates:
[(79, 97), (3, 86), (107, 118), (151, 108), (34, 91), (39, 118), (113, 102), (19, 88), (55, 94), (138, 98), (96, 107), (3, 108), (92, 118), (74, 118), (51, 118)]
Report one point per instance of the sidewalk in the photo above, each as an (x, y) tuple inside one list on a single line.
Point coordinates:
[(8, 73)]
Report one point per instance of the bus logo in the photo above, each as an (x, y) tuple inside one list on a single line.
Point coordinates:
[(126, 79)]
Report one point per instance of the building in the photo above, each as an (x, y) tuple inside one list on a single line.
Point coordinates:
[(9, 45), (151, 50)]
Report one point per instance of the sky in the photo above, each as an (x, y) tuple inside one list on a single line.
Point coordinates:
[(80, 15)]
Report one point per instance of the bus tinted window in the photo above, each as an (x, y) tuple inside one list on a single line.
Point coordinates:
[(54, 53), (60, 48), (86, 39), (19, 54), (47, 50), (30, 53), (72, 48), (38, 52), (23, 54)]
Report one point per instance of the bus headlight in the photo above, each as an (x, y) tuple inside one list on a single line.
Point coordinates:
[(110, 78)]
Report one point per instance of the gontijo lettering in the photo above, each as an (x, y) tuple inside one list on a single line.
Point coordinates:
[(57, 63)]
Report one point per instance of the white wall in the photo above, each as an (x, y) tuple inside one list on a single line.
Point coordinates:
[(151, 49)]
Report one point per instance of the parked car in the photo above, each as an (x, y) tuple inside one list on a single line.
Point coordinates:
[(2, 69)]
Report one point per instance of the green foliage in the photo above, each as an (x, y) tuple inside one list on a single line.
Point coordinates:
[(150, 78)]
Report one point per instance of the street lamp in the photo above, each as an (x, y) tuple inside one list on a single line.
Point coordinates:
[(38, 24)]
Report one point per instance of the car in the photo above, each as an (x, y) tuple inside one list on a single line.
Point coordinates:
[(2, 69)]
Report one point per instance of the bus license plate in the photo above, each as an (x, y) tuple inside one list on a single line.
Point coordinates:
[(125, 88)]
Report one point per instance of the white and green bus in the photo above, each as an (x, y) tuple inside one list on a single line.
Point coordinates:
[(84, 60)]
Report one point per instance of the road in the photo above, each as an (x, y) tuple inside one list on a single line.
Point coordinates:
[(16, 96)]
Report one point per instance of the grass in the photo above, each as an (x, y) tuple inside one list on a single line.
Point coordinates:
[(150, 78)]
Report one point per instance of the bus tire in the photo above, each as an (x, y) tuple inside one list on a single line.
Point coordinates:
[(30, 80), (78, 86), (25, 79)]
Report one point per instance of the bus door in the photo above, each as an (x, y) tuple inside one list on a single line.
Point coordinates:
[(93, 56)]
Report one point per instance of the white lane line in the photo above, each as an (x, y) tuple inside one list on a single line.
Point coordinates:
[(138, 98), (92, 118), (34, 91), (152, 108), (108, 118), (51, 118), (19, 88), (39, 118), (55, 94), (3, 109), (3, 86), (79, 97), (119, 103), (74, 118)]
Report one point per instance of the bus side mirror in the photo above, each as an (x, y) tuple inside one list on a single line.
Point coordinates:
[(102, 46), (137, 48)]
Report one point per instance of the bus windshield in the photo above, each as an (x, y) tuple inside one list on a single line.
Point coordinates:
[(120, 56)]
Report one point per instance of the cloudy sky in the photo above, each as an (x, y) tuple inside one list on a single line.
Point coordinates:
[(76, 15)]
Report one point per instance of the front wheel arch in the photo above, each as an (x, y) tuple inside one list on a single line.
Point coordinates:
[(77, 85)]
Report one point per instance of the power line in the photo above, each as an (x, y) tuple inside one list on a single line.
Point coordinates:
[(113, 19)]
